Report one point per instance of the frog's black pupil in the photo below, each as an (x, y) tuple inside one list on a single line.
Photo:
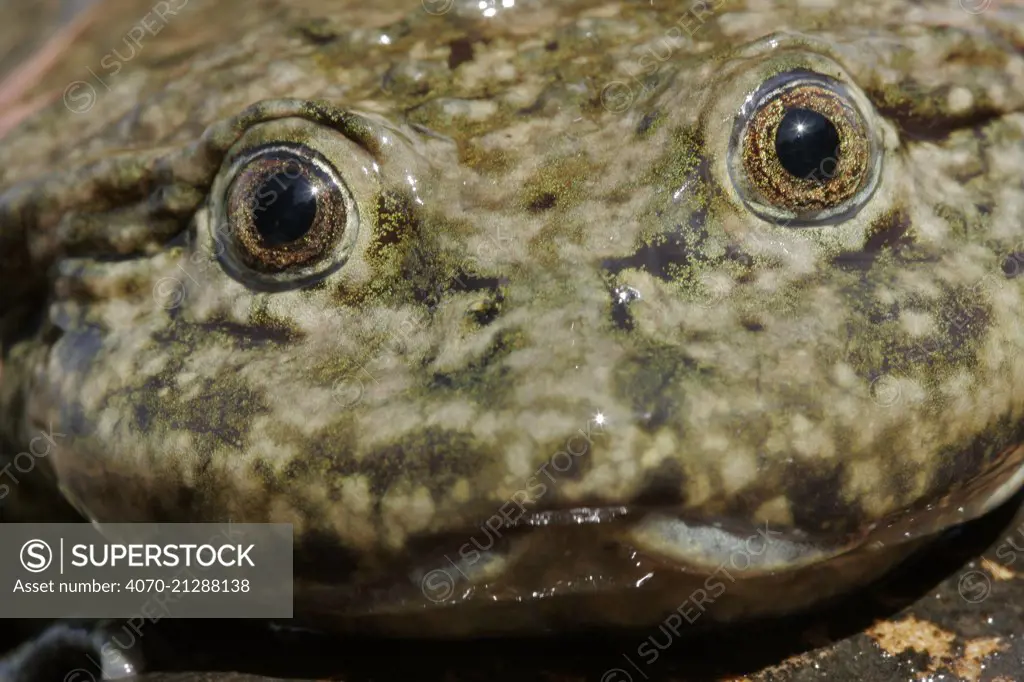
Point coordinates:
[(285, 208), (807, 144)]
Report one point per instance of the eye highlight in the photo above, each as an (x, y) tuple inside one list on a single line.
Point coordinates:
[(286, 212), (802, 152)]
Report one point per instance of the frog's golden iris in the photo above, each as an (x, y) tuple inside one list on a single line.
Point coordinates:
[(286, 208), (803, 152)]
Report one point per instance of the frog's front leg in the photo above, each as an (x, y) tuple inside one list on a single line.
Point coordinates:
[(73, 651)]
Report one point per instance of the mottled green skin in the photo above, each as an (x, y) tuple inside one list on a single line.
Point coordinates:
[(843, 389)]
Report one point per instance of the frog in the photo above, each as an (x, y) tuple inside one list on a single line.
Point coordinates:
[(527, 318)]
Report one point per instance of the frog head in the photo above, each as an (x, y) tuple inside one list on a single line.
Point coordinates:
[(593, 314)]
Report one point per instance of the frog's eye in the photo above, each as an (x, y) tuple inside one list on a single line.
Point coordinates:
[(802, 152), (286, 214)]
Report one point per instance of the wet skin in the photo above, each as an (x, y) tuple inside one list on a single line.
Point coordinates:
[(573, 315)]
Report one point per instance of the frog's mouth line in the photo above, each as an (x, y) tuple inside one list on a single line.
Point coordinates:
[(615, 541), (601, 554)]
